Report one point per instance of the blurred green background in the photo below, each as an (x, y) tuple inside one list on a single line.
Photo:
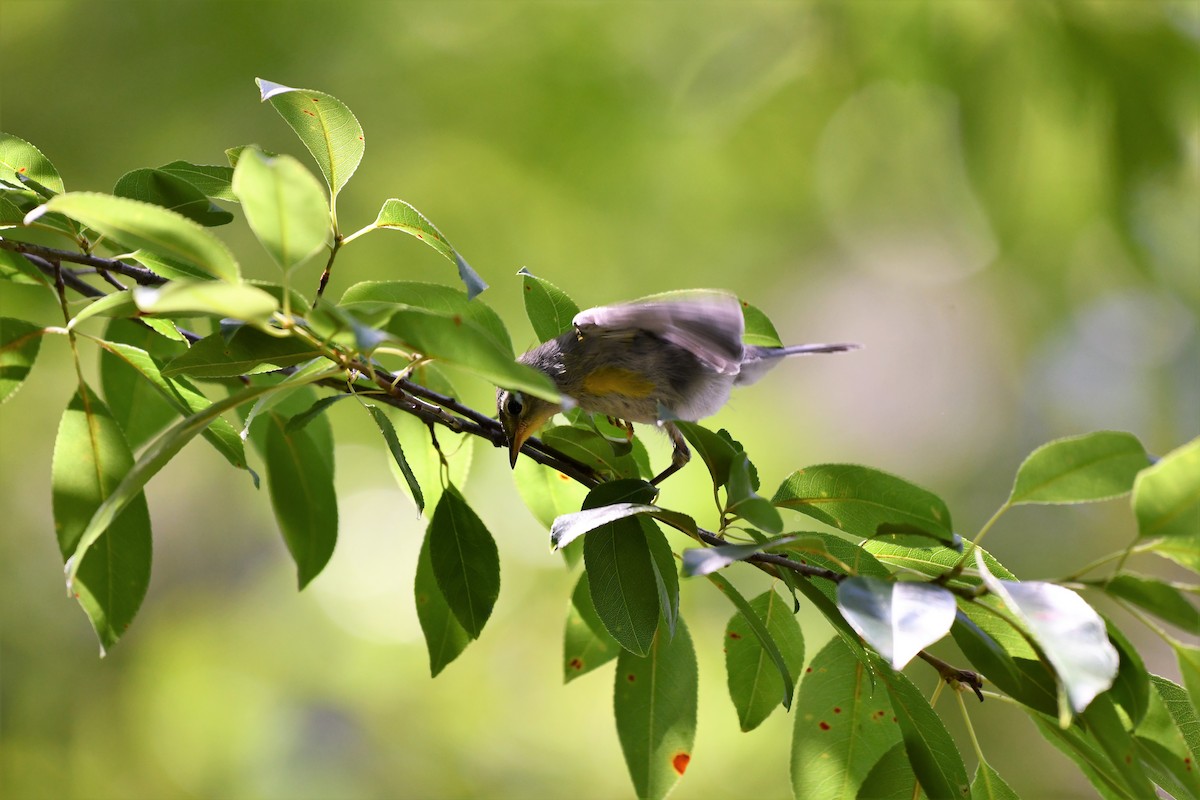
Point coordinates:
[(1000, 200)]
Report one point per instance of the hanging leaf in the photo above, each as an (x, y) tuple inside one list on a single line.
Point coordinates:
[(417, 440), (549, 309), (586, 643), (717, 452), (866, 502), (300, 480), (1087, 755), (398, 215), (91, 460), (1151, 594), (1105, 725), (139, 406), (898, 619), (1067, 629), (465, 561), (284, 205), (891, 778), (389, 436), (375, 301), (19, 344), (173, 193), (445, 638), (931, 751), (759, 680), (21, 160), (1166, 501), (742, 501), (1080, 469), (324, 124), (213, 180), (136, 224), (843, 725), (655, 706)]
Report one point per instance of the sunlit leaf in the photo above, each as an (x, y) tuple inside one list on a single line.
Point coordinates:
[(138, 403), (547, 493), (19, 344), (843, 725), (465, 561), (445, 638), (898, 619), (398, 215), (91, 459), (206, 298), (586, 643), (324, 124), (988, 785), (1172, 722), (1166, 501), (16, 268), (759, 330), (592, 449), (757, 681), (866, 502), (136, 224), (171, 192), (20, 159), (891, 778), (717, 452), (1188, 657), (1068, 630), (300, 479), (549, 309), (1003, 657), (284, 205), (1105, 725), (931, 751), (1131, 687), (214, 180), (655, 706), (1153, 595), (1087, 755), (704, 560), (374, 302), (1079, 469), (570, 526)]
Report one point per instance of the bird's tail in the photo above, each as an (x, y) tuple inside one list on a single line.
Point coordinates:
[(756, 361)]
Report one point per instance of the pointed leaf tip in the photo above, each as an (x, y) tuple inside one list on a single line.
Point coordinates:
[(268, 89)]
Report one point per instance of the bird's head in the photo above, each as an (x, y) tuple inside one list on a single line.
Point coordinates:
[(520, 415)]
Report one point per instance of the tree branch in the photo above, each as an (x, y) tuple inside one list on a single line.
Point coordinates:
[(139, 275)]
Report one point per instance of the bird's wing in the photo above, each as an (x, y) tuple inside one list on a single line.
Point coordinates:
[(708, 324)]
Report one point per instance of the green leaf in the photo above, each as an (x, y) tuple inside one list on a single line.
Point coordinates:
[(1104, 723), (931, 751), (742, 501), (655, 703), (465, 561), (1005, 659), (298, 421), (171, 192), (891, 778), (666, 575), (91, 459), (324, 124), (866, 502), (416, 439), (1067, 629), (547, 493), (18, 269), (1166, 501), (248, 352), (1159, 598), (459, 343), (398, 215), (445, 638), (1172, 722), (591, 448), (389, 436), (375, 301), (898, 619), (1131, 687), (706, 560), (206, 298), (843, 725), (136, 224), (170, 268), (988, 785), (300, 480), (549, 309), (717, 452), (568, 527), (138, 405), (586, 643), (759, 330), (933, 561), (19, 344), (1086, 754), (154, 458), (213, 180), (284, 205), (757, 681), (1080, 469), (180, 394), (621, 570), (1188, 657), (21, 160)]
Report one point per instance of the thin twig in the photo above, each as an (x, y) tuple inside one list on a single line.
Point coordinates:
[(139, 275)]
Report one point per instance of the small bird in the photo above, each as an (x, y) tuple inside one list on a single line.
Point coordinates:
[(681, 353)]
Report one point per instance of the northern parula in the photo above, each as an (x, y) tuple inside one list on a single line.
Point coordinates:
[(681, 353)]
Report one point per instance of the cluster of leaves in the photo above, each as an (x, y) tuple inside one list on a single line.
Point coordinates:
[(879, 557)]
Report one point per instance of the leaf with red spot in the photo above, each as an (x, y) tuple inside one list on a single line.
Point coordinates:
[(586, 643), (831, 761), (655, 705), (755, 683)]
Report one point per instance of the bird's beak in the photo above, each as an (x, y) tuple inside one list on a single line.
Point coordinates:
[(516, 434)]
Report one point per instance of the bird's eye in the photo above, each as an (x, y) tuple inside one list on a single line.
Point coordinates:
[(513, 405)]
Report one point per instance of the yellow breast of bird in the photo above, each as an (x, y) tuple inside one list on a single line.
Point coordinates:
[(618, 380)]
